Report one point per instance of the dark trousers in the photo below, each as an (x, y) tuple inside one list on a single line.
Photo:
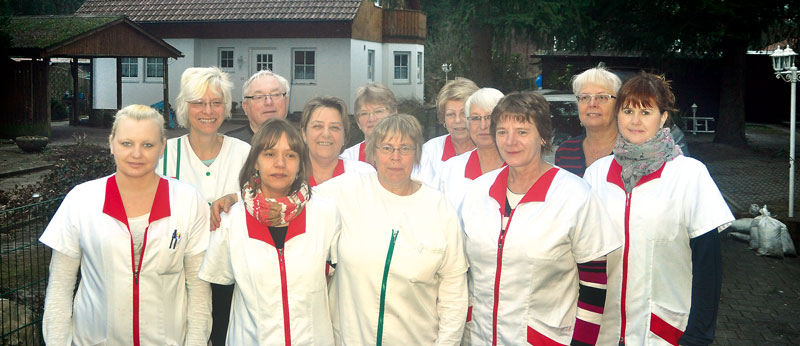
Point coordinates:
[(221, 296)]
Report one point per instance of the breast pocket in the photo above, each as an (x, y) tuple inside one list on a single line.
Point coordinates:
[(169, 250), (417, 261), (659, 219)]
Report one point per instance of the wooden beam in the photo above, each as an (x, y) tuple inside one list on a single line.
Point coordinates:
[(119, 82), (165, 82), (74, 67)]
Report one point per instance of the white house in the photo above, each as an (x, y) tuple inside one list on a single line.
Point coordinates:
[(322, 47)]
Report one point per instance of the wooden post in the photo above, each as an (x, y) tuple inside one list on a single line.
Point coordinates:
[(90, 92), (119, 83), (74, 67), (165, 82)]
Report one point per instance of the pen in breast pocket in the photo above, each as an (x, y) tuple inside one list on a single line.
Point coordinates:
[(174, 241)]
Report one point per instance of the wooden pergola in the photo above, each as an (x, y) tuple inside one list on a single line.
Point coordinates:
[(35, 40)]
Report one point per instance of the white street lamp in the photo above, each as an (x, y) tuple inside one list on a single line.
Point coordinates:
[(446, 68), (694, 119), (783, 64)]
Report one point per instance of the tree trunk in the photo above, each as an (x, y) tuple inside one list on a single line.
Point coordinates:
[(480, 59), (730, 124)]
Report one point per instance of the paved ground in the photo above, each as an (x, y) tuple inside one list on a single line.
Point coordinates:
[(760, 302)]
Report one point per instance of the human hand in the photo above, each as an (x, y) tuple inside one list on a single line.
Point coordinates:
[(224, 203)]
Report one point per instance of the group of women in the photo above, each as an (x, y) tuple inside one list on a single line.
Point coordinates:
[(471, 238)]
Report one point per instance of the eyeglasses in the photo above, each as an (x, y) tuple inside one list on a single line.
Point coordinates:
[(479, 118), (200, 104), (378, 113), (389, 150), (599, 98), (264, 98)]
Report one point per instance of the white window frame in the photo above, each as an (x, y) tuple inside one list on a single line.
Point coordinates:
[(305, 65), (220, 59), (146, 70), (131, 79), (371, 65), (270, 64), (407, 67), (419, 67)]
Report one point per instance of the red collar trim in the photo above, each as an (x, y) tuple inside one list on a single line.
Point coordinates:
[(473, 169), (337, 171), (449, 150), (615, 175), (536, 193), (362, 156), (112, 206), (255, 230)]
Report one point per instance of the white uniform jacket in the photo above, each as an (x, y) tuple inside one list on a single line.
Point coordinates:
[(113, 306), (524, 282), (656, 220), (412, 247), (355, 152), (456, 175), (214, 181), (280, 297), (346, 166), (434, 153)]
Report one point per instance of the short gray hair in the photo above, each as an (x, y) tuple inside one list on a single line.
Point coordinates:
[(139, 112), (404, 125), (264, 73), (485, 98), (195, 81), (375, 93), (598, 76)]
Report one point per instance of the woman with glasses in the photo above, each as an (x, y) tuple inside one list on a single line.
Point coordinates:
[(273, 245), (374, 102), (459, 171), (536, 239), (400, 267), (325, 128), (595, 90), (205, 158), (664, 284), (450, 110), (136, 241)]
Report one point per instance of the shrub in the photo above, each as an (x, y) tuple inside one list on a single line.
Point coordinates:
[(58, 111)]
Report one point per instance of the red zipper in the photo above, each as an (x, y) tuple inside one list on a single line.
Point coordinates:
[(625, 251), (285, 296), (500, 243), (136, 273)]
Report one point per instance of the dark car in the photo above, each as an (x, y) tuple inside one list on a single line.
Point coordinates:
[(564, 114)]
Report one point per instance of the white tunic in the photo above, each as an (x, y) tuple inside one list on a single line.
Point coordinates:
[(667, 208), (426, 294), (111, 307), (346, 166), (355, 152), (533, 294), (456, 174), (434, 153), (214, 181), (271, 283)]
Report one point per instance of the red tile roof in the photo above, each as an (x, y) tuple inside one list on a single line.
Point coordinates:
[(150, 11)]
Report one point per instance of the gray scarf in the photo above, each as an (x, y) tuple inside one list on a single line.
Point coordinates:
[(639, 160)]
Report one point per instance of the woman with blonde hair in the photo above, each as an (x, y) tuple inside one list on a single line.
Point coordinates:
[(138, 240), (374, 102), (205, 158), (450, 111)]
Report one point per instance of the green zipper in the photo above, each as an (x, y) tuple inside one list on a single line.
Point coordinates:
[(383, 286), (177, 163)]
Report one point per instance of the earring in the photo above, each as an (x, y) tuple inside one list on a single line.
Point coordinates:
[(543, 142)]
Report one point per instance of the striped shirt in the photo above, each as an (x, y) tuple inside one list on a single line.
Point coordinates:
[(570, 156)]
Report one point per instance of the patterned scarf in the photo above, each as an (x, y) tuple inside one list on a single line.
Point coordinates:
[(639, 160), (273, 211)]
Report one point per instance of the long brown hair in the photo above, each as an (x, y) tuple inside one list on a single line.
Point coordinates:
[(266, 138)]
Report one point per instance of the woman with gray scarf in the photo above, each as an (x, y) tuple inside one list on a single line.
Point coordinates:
[(664, 283)]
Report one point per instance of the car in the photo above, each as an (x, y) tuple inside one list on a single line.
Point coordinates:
[(563, 114)]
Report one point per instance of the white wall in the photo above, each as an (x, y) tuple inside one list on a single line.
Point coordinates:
[(404, 89), (358, 66)]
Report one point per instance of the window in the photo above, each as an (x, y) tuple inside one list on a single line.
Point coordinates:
[(401, 66), (304, 61), (419, 67), (263, 61), (130, 67), (226, 58), (371, 64), (154, 68)]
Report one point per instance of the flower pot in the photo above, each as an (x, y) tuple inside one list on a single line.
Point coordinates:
[(31, 144)]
